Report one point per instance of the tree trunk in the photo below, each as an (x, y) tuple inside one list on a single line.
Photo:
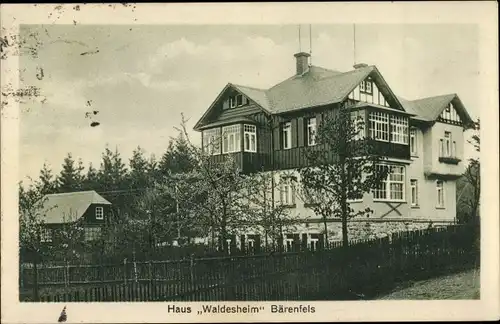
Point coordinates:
[(36, 296), (325, 243), (345, 239)]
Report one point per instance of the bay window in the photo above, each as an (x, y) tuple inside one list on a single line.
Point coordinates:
[(211, 141), (399, 129), (231, 139), (250, 138), (393, 187), (357, 119), (46, 235), (379, 126)]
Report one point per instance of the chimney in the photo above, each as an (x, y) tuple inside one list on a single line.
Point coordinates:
[(359, 65), (302, 62)]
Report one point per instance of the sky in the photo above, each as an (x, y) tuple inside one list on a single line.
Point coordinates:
[(142, 77)]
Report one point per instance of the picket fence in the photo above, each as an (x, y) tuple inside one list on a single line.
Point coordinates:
[(360, 271)]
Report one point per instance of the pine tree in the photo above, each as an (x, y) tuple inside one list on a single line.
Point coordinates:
[(91, 181), (178, 158), (70, 178), (46, 183), (138, 169)]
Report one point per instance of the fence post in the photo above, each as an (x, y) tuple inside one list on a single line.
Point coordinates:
[(125, 270), (191, 268), (150, 272), (36, 295), (135, 271), (67, 274)]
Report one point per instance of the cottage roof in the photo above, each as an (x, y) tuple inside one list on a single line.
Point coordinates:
[(429, 108), (69, 207)]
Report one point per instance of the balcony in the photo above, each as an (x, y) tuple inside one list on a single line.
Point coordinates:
[(449, 159)]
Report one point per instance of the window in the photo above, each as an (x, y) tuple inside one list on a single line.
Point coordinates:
[(99, 213), (357, 119), (236, 101), (251, 244), (309, 197), (454, 149), (414, 192), (393, 187), (413, 141), (250, 136), (448, 108), (313, 245), (289, 245), (92, 233), (311, 131), (286, 135), (366, 86), (211, 141), (440, 194), (399, 129), (445, 145), (46, 235), (231, 139), (379, 126), (287, 192)]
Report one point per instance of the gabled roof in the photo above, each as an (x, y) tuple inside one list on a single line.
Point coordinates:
[(430, 108), (69, 207), (259, 96), (316, 87), (319, 86)]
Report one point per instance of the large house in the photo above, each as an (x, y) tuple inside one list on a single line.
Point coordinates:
[(269, 129), (87, 209)]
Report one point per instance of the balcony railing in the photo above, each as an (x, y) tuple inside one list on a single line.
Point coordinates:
[(449, 159)]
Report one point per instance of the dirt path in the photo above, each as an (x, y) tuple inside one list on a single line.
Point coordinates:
[(463, 285)]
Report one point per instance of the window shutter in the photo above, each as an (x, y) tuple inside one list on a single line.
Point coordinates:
[(257, 243), (277, 137), (225, 104), (319, 120), (321, 242), (243, 243), (296, 241), (304, 242), (301, 130), (294, 132)]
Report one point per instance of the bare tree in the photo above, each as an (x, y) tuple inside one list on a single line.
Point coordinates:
[(272, 216)]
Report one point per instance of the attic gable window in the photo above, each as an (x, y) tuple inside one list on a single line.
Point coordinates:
[(237, 101), (366, 86), (99, 213)]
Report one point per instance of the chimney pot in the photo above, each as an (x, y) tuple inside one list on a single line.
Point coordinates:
[(360, 65), (302, 62)]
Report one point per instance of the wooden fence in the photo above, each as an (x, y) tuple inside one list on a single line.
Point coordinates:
[(359, 271)]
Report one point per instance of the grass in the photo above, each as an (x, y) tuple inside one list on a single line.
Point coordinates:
[(460, 286)]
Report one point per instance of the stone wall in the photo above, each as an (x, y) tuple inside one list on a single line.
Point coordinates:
[(367, 230)]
